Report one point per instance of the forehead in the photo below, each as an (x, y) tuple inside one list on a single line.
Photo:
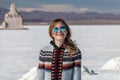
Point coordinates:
[(58, 24)]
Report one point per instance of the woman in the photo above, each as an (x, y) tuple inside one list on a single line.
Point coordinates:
[(61, 59)]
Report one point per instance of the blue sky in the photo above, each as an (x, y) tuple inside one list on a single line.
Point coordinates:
[(112, 6)]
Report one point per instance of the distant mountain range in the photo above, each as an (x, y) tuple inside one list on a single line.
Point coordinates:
[(71, 17)]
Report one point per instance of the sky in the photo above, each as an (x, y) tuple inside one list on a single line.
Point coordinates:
[(79, 6)]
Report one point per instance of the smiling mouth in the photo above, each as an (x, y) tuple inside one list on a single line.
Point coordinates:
[(59, 34)]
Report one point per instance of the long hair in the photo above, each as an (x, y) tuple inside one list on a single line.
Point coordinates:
[(69, 44)]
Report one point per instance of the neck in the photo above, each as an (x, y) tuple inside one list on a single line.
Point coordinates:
[(58, 43)]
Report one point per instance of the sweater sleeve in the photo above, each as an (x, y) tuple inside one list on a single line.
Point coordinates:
[(77, 67), (40, 68)]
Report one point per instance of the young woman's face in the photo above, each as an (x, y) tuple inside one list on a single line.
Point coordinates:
[(59, 32)]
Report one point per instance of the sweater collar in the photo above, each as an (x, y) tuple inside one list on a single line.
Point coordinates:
[(55, 46)]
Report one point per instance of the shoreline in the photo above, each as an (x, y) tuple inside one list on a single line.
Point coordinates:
[(14, 29), (77, 22), (80, 22)]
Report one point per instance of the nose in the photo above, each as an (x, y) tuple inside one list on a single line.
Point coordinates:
[(59, 31)]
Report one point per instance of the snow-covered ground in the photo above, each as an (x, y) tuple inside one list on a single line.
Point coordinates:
[(100, 46), (113, 64), (110, 71)]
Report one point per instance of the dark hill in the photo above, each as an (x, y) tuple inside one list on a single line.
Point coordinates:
[(41, 16)]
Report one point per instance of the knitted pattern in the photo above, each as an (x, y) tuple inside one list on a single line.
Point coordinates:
[(56, 64)]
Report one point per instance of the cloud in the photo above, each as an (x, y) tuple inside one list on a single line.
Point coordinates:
[(69, 8), (84, 9), (27, 9), (117, 11), (58, 8), (62, 8)]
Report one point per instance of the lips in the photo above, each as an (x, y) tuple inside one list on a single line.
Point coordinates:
[(60, 34)]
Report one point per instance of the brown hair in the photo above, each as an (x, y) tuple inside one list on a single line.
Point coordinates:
[(69, 44)]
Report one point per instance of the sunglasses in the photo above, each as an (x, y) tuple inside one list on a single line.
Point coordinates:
[(62, 29)]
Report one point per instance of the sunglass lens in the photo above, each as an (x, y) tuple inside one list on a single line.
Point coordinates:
[(56, 29), (62, 28)]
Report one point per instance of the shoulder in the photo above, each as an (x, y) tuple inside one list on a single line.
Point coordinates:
[(78, 50), (77, 55), (47, 49)]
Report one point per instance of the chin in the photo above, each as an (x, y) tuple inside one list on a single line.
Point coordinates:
[(59, 39)]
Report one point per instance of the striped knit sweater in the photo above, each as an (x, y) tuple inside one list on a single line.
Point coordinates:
[(56, 64)]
